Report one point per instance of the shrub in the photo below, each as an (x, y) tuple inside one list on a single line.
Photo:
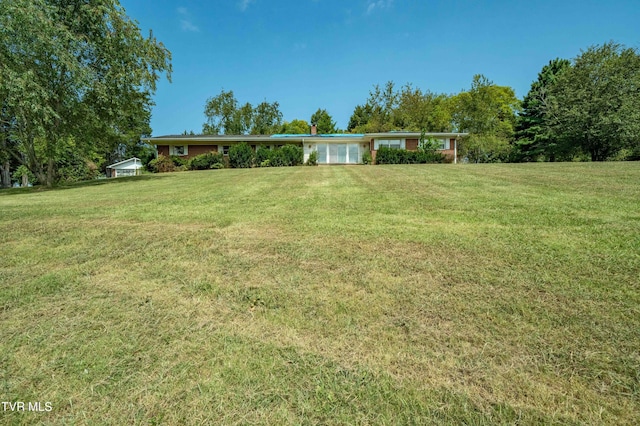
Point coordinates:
[(288, 155), (366, 157), (241, 156), (262, 155), (387, 155), (162, 164), (293, 155), (22, 173), (277, 158), (179, 161), (210, 160), (313, 159)]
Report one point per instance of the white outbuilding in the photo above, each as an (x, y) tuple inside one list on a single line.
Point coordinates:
[(130, 167)]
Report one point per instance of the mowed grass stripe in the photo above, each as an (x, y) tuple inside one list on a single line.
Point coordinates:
[(329, 295)]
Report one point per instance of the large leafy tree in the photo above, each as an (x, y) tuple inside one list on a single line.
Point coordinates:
[(75, 76), (406, 109), (418, 110), (267, 118), (324, 122), (362, 114), (225, 116), (488, 112), (594, 106), (533, 137), (295, 127), (377, 114)]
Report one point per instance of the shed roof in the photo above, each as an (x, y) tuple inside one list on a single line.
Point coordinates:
[(120, 163)]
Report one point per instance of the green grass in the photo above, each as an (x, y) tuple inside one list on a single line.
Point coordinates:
[(440, 294)]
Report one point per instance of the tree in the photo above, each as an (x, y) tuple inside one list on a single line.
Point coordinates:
[(594, 106), (225, 117), (409, 109), (533, 137), (323, 121), (377, 114), (419, 110), (362, 114), (73, 74), (267, 118), (488, 112), (295, 127)]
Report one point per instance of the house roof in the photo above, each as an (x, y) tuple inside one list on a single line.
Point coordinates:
[(119, 163), (301, 137)]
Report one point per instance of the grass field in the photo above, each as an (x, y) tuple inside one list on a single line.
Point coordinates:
[(440, 294)]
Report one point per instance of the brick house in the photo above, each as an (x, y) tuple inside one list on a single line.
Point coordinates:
[(340, 148)]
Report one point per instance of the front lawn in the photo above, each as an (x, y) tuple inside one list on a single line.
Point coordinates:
[(449, 294)]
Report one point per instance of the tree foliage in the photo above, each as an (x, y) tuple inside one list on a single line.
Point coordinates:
[(73, 72), (488, 113), (534, 139), (295, 127), (225, 116), (594, 106), (267, 118), (376, 115), (418, 110), (408, 109), (324, 122)]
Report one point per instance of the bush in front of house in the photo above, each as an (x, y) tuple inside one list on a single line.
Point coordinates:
[(293, 155), (387, 155), (241, 156), (162, 164), (209, 160), (179, 161), (313, 159), (262, 156), (366, 157), (288, 155)]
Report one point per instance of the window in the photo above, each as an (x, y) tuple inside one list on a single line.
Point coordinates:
[(389, 143), (225, 149), (353, 153), (178, 150), (322, 153), (444, 144), (333, 153)]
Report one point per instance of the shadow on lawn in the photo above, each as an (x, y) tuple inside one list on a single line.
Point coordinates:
[(83, 184)]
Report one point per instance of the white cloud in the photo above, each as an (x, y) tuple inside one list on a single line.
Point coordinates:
[(244, 4), (378, 5), (188, 26), (185, 23)]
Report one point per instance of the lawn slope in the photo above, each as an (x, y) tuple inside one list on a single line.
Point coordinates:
[(478, 294)]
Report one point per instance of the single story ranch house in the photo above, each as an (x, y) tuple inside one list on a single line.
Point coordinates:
[(341, 148)]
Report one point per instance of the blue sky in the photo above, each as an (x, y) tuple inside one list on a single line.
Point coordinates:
[(310, 54)]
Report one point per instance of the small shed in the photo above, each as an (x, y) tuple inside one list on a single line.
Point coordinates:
[(130, 167)]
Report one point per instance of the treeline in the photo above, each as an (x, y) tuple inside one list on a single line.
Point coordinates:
[(584, 109), (225, 115)]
